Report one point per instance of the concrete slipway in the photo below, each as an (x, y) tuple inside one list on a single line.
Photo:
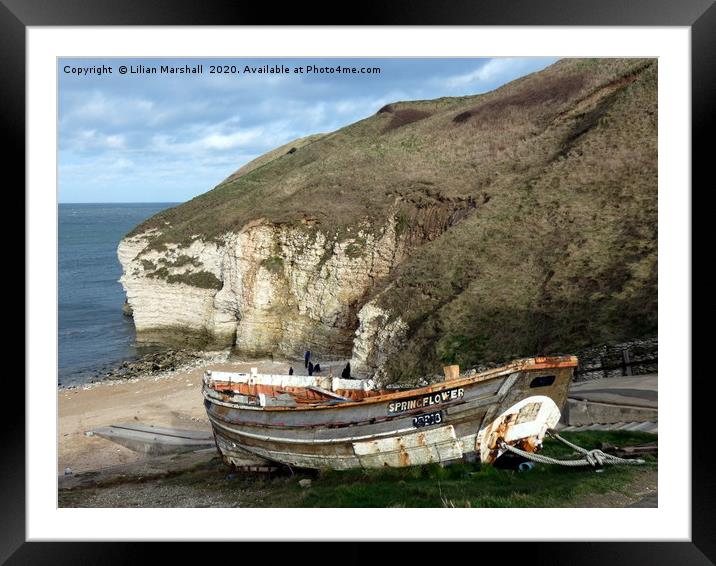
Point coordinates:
[(617, 403)]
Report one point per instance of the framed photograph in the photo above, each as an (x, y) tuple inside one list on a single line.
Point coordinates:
[(410, 279)]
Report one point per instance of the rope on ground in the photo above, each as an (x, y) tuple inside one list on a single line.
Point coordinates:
[(589, 457)]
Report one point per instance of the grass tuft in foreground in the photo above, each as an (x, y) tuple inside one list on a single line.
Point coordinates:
[(470, 485)]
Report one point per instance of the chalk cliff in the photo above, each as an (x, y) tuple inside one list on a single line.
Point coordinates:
[(283, 289)]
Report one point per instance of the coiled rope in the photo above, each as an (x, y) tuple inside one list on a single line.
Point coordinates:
[(589, 457)]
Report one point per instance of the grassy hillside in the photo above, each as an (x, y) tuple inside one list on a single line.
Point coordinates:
[(549, 242)]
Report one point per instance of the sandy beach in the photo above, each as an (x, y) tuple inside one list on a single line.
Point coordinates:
[(172, 399)]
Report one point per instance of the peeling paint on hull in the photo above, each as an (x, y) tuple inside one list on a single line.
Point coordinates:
[(436, 445)]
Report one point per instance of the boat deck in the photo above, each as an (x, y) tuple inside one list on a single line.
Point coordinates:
[(274, 391), (301, 395)]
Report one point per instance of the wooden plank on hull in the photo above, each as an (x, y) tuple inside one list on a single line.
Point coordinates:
[(306, 460), (471, 405), (237, 455), (281, 400), (468, 443), (328, 393), (292, 440), (425, 447)]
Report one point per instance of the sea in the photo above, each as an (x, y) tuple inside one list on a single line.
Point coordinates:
[(94, 334)]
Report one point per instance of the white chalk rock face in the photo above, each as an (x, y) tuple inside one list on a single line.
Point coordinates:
[(266, 290), (379, 335), (164, 309)]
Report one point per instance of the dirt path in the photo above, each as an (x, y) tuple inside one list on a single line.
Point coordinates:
[(642, 492)]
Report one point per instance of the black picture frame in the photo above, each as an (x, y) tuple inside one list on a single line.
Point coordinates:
[(698, 15)]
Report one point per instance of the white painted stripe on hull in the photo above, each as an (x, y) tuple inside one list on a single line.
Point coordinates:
[(306, 440)]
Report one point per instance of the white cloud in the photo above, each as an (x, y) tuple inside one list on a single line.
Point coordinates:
[(218, 138), (91, 139), (366, 106), (490, 72), (99, 108), (115, 141), (242, 138)]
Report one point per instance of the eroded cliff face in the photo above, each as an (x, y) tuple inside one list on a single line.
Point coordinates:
[(267, 290), (380, 334)]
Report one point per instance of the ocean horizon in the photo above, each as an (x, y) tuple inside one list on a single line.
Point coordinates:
[(93, 333)]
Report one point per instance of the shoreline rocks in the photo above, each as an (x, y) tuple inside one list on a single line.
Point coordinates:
[(149, 365), (127, 309), (153, 363)]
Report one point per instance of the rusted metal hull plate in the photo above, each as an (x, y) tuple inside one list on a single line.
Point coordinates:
[(425, 447)]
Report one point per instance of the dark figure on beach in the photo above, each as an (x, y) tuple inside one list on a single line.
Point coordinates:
[(346, 373), (290, 371), (310, 368), (317, 368), (307, 357)]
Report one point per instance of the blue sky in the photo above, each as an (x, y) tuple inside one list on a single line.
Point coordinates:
[(168, 138)]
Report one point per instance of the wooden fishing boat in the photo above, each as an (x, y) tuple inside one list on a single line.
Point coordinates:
[(325, 422)]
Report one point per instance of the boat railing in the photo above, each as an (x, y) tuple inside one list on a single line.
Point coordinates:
[(216, 378)]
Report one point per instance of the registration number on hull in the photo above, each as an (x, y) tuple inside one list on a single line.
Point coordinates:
[(428, 420)]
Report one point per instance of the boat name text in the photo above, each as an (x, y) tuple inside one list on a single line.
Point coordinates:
[(436, 398)]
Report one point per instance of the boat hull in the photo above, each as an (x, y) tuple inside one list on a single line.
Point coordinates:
[(438, 424)]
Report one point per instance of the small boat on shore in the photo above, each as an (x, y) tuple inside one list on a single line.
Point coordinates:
[(328, 422)]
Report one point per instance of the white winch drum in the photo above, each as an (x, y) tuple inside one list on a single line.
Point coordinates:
[(523, 425)]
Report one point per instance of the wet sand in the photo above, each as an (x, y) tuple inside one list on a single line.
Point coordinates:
[(170, 400)]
